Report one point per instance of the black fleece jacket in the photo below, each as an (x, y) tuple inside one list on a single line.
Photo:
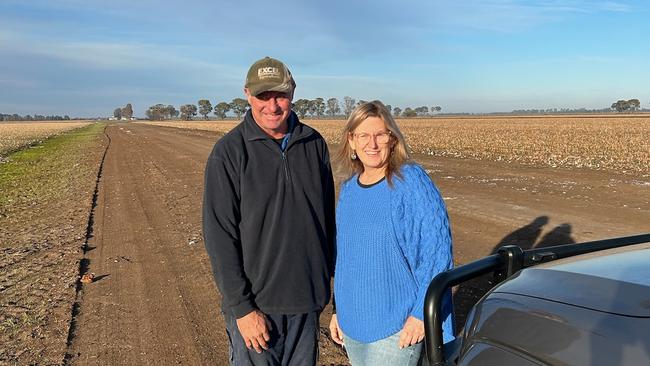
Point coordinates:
[(268, 220)]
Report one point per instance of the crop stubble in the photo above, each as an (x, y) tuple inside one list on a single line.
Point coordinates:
[(13, 136), (617, 143)]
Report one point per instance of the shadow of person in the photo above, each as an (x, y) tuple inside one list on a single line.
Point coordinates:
[(468, 293), (524, 237), (560, 235)]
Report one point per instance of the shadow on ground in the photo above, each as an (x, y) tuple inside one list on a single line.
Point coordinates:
[(526, 237)]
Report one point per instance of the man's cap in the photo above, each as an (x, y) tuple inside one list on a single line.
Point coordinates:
[(269, 74)]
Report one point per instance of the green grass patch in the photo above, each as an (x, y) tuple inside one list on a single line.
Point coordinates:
[(11, 324), (47, 170)]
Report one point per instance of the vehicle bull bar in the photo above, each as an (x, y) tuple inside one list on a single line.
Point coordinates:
[(508, 261)]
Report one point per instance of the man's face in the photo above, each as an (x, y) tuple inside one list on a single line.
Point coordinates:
[(270, 110)]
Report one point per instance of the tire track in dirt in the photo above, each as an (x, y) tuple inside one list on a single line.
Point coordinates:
[(153, 302)]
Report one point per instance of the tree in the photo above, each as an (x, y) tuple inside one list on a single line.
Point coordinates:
[(317, 107), (389, 108), (127, 112), (311, 108), (170, 111), (333, 107), (436, 108), (360, 102), (626, 105), (301, 107), (205, 107), (409, 113), (150, 113), (422, 111), (221, 109), (160, 111), (188, 111), (348, 105), (632, 105), (397, 111), (117, 113), (620, 105), (239, 106)]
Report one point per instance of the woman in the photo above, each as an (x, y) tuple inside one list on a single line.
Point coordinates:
[(393, 237)]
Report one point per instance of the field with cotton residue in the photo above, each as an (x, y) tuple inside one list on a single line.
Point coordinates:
[(15, 135), (617, 143)]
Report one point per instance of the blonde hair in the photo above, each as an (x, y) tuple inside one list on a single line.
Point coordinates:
[(399, 153)]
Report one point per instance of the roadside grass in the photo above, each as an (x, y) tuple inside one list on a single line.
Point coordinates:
[(44, 170), (17, 323)]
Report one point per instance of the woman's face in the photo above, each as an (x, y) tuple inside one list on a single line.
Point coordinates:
[(372, 142)]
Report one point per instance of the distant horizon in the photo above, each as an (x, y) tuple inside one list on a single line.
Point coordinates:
[(140, 113), (477, 56), (514, 113)]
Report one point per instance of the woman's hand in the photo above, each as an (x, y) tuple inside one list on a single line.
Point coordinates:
[(335, 331), (412, 332)]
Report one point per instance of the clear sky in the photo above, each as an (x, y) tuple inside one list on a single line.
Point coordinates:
[(87, 57)]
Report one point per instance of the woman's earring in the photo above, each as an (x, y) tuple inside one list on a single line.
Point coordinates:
[(353, 156)]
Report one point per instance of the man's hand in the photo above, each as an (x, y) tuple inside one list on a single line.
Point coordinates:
[(412, 333), (335, 331), (254, 328)]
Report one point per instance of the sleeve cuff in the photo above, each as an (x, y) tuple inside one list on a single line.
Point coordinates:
[(242, 309), (418, 310)]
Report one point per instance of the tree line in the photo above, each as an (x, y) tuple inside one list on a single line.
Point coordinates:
[(316, 108), (332, 108), (631, 105), (36, 117), (125, 112)]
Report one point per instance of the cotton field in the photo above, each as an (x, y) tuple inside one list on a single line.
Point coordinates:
[(16, 135), (596, 142)]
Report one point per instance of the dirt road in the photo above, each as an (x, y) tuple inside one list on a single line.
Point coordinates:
[(154, 302)]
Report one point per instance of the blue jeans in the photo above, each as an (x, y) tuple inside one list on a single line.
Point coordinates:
[(382, 352)]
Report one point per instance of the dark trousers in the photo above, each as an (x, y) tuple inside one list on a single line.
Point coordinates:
[(294, 341)]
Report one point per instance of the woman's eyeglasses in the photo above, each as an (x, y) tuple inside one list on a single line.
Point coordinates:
[(364, 138)]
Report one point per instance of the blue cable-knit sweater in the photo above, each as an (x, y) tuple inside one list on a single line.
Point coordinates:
[(391, 242)]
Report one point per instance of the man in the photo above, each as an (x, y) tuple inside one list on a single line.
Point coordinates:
[(268, 224)]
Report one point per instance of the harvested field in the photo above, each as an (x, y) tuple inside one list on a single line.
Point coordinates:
[(215, 126), (602, 143), (13, 136)]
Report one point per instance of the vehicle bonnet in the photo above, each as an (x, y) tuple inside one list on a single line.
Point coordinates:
[(615, 281)]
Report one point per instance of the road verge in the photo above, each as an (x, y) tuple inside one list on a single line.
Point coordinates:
[(46, 193)]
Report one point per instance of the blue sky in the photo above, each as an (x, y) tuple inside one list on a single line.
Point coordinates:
[(85, 58)]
